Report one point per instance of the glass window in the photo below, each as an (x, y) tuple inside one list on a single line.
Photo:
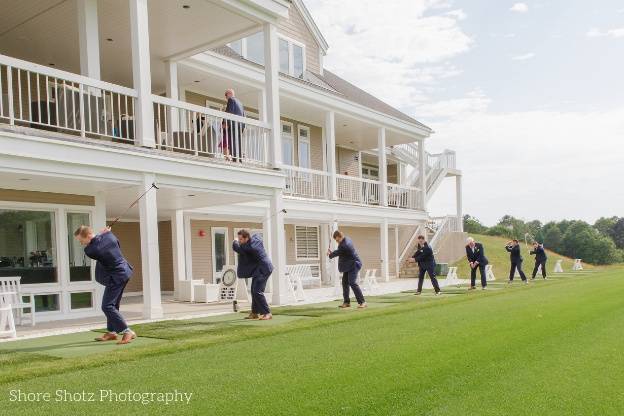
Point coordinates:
[(307, 242), (304, 147), (47, 303), (255, 48), (81, 300), (27, 246), (79, 263), (284, 57), (237, 46), (297, 61), (287, 151)]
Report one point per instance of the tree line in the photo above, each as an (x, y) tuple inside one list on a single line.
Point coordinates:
[(600, 243)]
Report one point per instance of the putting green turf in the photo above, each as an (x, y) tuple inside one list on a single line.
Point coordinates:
[(549, 348)]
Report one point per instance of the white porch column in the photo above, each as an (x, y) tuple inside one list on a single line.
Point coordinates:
[(99, 222), (458, 201), (333, 246), (278, 247), (271, 84), (262, 103), (172, 91), (383, 245), (148, 217), (179, 249), (383, 166), (329, 133), (397, 253), (88, 38), (422, 179), (142, 77), (323, 241)]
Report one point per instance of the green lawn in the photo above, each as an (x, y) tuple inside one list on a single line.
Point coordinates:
[(549, 348), (499, 258)]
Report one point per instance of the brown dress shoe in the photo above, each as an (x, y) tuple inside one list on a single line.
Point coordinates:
[(127, 338), (265, 317), (252, 316), (109, 336), (345, 305), (362, 305)]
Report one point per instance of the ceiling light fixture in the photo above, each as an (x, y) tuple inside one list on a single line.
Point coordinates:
[(186, 6)]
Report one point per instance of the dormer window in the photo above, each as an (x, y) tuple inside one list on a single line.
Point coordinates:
[(291, 57)]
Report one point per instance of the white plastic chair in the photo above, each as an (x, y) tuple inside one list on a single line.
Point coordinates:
[(7, 324), (578, 265), (489, 273), (558, 268), (11, 292), (370, 280)]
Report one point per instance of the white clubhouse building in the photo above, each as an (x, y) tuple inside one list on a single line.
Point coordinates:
[(102, 98)]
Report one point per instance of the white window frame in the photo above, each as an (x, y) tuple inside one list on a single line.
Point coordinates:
[(291, 55), (290, 137), (318, 235), (63, 287), (305, 139), (214, 230)]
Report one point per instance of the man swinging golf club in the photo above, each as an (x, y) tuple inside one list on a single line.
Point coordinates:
[(349, 264), (426, 264), (112, 271)]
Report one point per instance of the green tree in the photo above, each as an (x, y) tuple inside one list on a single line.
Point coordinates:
[(605, 225), (473, 226), (617, 233), (553, 237)]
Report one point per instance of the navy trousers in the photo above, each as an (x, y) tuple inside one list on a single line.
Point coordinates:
[(259, 304), (473, 275), (515, 266), (537, 264), (432, 276), (110, 306), (349, 280)]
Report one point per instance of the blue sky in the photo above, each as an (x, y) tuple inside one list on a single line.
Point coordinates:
[(530, 94)]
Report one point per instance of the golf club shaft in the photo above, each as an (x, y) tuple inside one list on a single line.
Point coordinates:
[(133, 204)]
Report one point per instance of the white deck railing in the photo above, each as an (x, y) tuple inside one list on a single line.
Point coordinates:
[(357, 190), (47, 98), (401, 196), (306, 183), (187, 128)]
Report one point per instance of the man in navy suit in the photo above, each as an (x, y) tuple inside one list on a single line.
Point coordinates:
[(540, 259), (475, 253), (254, 262), (112, 271), (426, 264), (513, 247), (349, 264), (233, 130)]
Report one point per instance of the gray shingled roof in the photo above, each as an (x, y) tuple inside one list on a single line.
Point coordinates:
[(330, 82)]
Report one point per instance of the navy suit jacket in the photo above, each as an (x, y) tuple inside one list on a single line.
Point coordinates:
[(424, 257), (253, 260), (514, 253), (477, 255), (348, 258), (234, 106), (111, 267), (540, 254)]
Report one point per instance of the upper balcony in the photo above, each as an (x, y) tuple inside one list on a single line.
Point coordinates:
[(123, 51)]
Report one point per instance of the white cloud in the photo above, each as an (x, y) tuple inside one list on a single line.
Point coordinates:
[(519, 8), (534, 164), (612, 33), (523, 57), (406, 42)]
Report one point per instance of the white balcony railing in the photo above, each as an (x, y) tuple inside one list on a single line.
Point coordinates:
[(357, 190), (306, 183), (404, 197), (49, 99), (187, 128)]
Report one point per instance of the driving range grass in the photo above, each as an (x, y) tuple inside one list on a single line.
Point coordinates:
[(548, 348)]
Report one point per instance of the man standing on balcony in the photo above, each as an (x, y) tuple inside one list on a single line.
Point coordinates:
[(540, 259), (112, 271), (254, 262), (477, 260), (233, 130), (426, 264), (349, 264), (513, 247)]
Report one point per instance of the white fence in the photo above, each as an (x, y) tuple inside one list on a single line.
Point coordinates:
[(306, 183), (404, 197), (49, 99), (357, 190), (187, 128)]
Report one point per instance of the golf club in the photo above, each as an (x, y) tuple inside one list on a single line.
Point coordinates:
[(133, 204)]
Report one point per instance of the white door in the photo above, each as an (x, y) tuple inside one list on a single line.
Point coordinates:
[(220, 252)]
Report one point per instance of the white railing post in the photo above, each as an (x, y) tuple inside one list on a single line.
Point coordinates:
[(383, 168), (9, 78), (142, 78), (329, 133), (81, 102), (271, 85)]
